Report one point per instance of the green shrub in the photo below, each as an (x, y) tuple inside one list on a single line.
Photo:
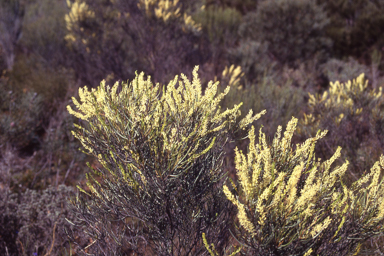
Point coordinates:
[(161, 156), (219, 24), (291, 203), (293, 29), (353, 113), (51, 82), (219, 29)]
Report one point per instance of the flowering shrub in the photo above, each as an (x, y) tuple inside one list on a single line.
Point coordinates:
[(161, 153), (289, 202)]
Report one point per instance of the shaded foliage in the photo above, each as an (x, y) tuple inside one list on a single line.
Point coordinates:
[(356, 26), (105, 35), (34, 222), (293, 30)]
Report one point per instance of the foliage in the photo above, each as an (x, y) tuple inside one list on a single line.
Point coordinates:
[(219, 24), (293, 29), (34, 151), (219, 28), (42, 52), (33, 74), (338, 70), (356, 26), (11, 17), (243, 6), (20, 118), (353, 114), (39, 221), (161, 160), (253, 58), (105, 38), (291, 203), (213, 252), (281, 99), (9, 224), (43, 32)]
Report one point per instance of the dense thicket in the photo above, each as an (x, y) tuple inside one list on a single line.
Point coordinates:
[(283, 63)]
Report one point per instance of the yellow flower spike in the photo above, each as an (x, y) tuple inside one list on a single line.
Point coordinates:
[(249, 119), (229, 195), (308, 193), (312, 99), (373, 186), (321, 227), (291, 127), (208, 247), (327, 164), (325, 95), (291, 188), (256, 173), (260, 207), (308, 253), (276, 139), (244, 220), (380, 213), (277, 198), (267, 177)]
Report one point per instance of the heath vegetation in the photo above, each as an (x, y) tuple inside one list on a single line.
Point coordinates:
[(161, 168)]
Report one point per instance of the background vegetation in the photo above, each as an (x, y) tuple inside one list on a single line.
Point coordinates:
[(48, 49)]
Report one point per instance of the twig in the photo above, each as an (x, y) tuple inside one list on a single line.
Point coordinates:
[(22, 247), (69, 169), (54, 228)]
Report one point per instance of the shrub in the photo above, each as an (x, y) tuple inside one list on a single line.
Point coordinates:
[(219, 28), (356, 26), (281, 99), (11, 13), (106, 37), (243, 6), (9, 224), (338, 70), (253, 58), (161, 155), (353, 114), (35, 222), (290, 203), (20, 119), (36, 145), (219, 24), (51, 82), (293, 29), (43, 31)]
